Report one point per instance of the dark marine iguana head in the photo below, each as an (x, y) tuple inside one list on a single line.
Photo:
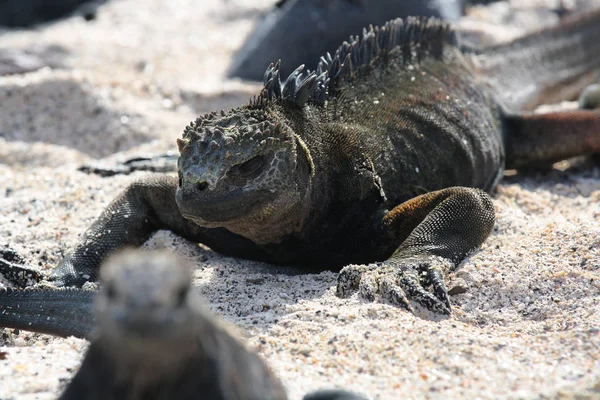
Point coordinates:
[(249, 169), (244, 170)]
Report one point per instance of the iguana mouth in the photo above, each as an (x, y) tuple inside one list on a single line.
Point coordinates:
[(208, 210)]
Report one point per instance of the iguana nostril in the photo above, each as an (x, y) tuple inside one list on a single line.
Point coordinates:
[(200, 186)]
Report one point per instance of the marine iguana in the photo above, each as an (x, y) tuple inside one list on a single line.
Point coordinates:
[(155, 339), (382, 157), (314, 27), (19, 14)]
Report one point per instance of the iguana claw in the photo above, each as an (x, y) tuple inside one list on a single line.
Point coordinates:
[(399, 280), (13, 269)]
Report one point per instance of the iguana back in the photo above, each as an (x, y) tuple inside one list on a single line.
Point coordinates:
[(417, 115)]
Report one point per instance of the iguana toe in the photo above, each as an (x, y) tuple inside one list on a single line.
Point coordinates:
[(12, 269), (350, 278), (393, 293), (368, 287), (435, 278), (412, 286)]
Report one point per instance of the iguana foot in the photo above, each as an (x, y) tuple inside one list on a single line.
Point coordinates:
[(65, 275), (398, 281), (12, 269), (162, 163)]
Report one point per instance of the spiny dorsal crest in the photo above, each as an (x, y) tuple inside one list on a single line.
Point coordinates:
[(416, 39)]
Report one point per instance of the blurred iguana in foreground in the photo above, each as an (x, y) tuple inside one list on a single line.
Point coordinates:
[(314, 27), (154, 340), (377, 163)]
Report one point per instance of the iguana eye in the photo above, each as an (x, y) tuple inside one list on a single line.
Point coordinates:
[(249, 169)]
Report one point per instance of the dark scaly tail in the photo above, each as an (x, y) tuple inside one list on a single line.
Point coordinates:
[(546, 66), (64, 312)]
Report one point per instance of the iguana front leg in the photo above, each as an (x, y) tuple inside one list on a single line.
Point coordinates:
[(144, 207), (141, 209), (434, 233)]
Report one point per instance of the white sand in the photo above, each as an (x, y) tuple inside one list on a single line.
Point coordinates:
[(528, 326)]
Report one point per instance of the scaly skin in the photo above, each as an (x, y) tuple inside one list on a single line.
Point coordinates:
[(155, 340), (60, 312), (383, 155)]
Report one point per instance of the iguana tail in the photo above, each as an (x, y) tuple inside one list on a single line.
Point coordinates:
[(538, 140), (64, 312), (546, 66)]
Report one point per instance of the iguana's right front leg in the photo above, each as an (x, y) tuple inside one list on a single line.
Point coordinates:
[(141, 209), (144, 207), (431, 235)]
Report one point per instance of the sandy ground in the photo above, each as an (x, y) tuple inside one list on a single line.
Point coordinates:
[(527, 327)]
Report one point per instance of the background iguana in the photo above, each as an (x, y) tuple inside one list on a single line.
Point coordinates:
[(327, 168), (313, 28)]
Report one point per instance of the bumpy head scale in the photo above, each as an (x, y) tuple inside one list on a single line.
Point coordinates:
[(215, 143)]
